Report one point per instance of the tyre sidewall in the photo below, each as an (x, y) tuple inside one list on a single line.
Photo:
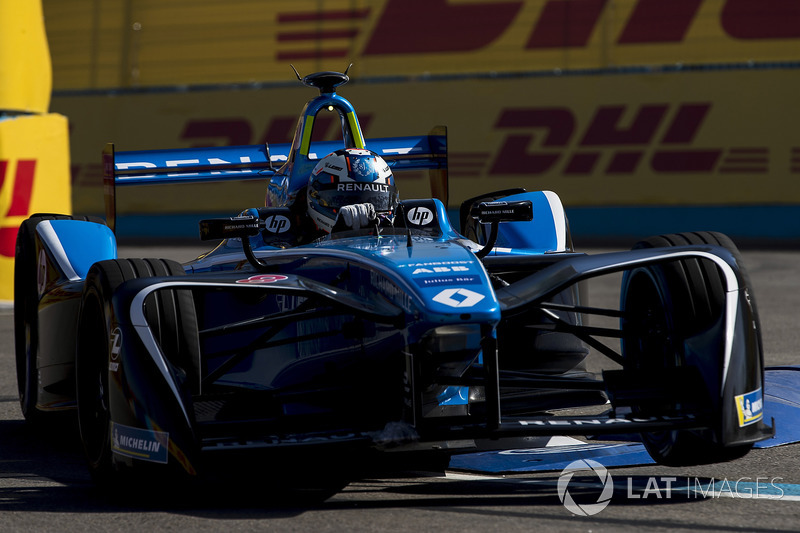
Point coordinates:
[(91, 368), (26, 331)]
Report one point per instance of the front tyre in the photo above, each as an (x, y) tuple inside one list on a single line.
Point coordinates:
[(668, 304), (172, 317), (91, 370), (27, 292)]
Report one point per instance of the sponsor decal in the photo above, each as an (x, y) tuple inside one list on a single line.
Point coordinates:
[(21, 185), (558, 25), (277, 224), (617, 139), (297, 44), (458, 297), (275, 440), (174, 163), (600, 421), (288, 302), (375, 187), (240, 223), (141, 444), (115, 346), (447, 26), (609, 127), (390, 290), (749, 407), (439, 270), (419, 216), (433, 264), (447, 280), (263, 278)]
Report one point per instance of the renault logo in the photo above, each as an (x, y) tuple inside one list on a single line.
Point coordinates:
[(458, 297)]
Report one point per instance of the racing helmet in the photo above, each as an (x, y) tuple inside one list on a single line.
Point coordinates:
[(346, 177)]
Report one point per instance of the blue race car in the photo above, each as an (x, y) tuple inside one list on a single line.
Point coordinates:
[(339, 324)]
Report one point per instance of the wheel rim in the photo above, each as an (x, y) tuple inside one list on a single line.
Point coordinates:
[(649, 341), (650, 346)]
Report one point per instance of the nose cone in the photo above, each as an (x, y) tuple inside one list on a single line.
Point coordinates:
[(449, 280)]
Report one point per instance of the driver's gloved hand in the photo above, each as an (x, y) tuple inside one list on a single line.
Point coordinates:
[(356, 216)]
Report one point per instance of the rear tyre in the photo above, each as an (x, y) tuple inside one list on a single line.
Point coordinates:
[(172, 318), (670, 303), (26, 312)]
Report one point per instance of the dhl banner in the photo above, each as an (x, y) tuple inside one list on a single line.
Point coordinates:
[(34, 146), (34, 177), (112, 44), (697, 138)]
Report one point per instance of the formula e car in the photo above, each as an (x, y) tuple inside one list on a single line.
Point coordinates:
[(418, 339)]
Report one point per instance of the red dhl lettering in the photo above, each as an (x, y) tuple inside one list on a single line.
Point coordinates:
[(550, 139), (605, 129), (19, 205), (22, 186), (440, 26), (761, 19), (302, 51), (656, 21)]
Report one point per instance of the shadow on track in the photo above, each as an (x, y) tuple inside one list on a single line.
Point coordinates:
[(43, 471)]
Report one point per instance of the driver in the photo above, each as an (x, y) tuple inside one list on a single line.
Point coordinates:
[(351, 189)]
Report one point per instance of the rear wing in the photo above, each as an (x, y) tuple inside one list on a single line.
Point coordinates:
[(237, 163)]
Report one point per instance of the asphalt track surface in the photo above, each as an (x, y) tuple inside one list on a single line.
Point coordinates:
[(44, 485)]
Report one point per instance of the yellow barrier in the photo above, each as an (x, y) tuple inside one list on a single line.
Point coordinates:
[(34, 147), (34, 177), (25, 72)]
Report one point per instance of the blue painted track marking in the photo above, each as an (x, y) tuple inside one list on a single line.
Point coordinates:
[(637, 487), (782, 404)]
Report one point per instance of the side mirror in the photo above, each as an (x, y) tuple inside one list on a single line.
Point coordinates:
[(491, 212), (496, 212), (225, 228)]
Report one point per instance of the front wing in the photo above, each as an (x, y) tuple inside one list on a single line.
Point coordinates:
[(390, 406)]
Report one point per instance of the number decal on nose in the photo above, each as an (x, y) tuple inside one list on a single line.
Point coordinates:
[(263, 278)]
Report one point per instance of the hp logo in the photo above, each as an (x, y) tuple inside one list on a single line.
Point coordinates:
[(276, 224), (420, 216)]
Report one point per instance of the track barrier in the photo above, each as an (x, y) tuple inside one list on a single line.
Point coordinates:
[(34, 144)]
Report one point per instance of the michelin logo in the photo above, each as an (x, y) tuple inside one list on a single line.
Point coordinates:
[(749, 407), (141, 444)]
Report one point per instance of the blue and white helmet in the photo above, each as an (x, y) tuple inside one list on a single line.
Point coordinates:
[(346, 177)]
